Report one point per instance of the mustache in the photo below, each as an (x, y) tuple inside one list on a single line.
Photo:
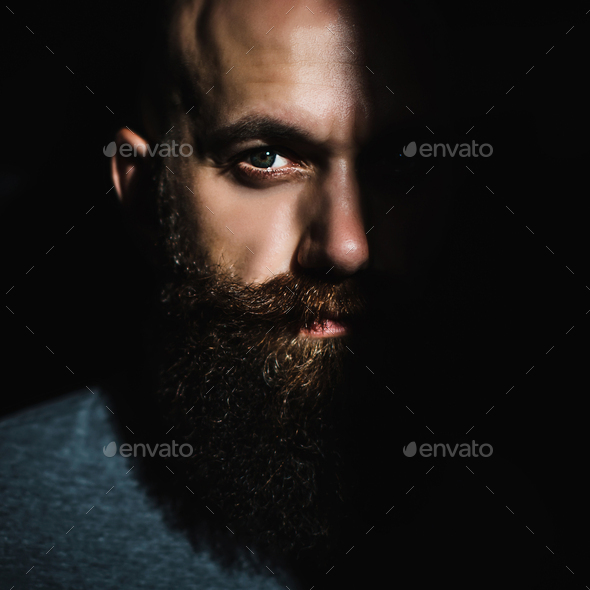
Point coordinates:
[(286, 301)]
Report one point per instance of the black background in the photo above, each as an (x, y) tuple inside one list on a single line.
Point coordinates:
[(515, 278)]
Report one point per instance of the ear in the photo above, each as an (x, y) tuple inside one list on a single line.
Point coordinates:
[(131, 172), (128, 165)]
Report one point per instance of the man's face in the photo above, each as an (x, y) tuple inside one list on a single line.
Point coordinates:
[(295, 193), (282, 104), (277, 190)]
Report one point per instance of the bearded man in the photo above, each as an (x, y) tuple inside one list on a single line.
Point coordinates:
[(287, 245)]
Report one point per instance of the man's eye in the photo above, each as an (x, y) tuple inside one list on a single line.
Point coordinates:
[(266, 164), (266, 158)]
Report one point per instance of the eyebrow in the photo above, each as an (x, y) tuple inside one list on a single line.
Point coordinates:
[(272, 129), (256, 127)]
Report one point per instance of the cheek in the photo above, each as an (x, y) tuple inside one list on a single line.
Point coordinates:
[(253, 232)]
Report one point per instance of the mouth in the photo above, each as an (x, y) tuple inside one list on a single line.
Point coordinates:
[(329, 326)]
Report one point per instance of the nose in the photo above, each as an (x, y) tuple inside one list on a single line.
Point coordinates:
[(334, 239)]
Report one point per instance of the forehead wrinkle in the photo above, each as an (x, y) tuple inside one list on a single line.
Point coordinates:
[(207, 38)]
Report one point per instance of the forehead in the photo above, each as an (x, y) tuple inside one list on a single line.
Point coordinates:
[(306, 65)]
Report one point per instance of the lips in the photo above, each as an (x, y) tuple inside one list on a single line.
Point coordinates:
[(329, 325)]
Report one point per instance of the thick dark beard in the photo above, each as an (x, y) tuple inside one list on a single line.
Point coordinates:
[(260, 406)]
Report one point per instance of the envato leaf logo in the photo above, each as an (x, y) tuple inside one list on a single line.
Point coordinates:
[(411, 449), (410, 150), (110, 449), (109, 151)]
